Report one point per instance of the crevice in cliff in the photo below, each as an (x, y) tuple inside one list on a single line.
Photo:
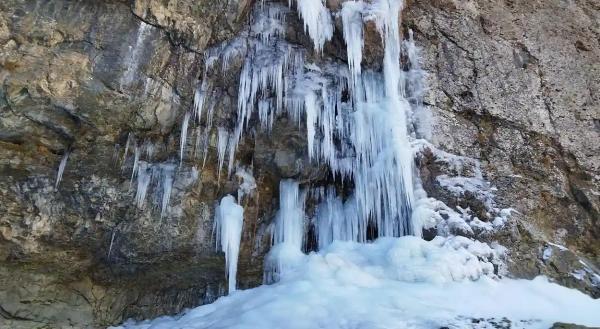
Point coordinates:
[(169, 34), (60, 131), (9, 316)]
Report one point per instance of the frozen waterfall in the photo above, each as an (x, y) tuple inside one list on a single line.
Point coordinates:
[(364, 139)]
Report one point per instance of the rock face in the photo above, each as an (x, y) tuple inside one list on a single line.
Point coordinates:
[(95, 79), (516, 84), (79, 77)]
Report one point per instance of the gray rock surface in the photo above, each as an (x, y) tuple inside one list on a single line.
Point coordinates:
[(82, 76), (516, 85)]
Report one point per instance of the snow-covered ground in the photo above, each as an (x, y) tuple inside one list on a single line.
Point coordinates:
[(392, 283)]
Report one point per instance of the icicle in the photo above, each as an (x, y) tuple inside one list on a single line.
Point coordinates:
[(311, 109), (229, 218), (149, 149), (336, 220), (144, 176), (416, 90), (222, 140), (112, 240), (317, 21), (61, 168), (136, 160), (232, 145), (353, 36), (167, 172), (184, 129), (200, 99), (205, 148), (129, 140), (288, 232)]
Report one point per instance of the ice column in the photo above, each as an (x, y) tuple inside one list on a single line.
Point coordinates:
[(288, 232), (353, 36), (229, 218)]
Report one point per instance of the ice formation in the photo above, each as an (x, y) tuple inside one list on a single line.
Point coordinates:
[(61, 168), (288, 232), (162, 176), (132, 61), (337, 220), (182, 142), (317, 21), (352, 22), (248, 183), (364, 139), (229, 218), (222, 141)]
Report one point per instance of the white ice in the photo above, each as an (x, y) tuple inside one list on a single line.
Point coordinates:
[(132, 61), (317, 21), (288, 233), (61, 168), (229, 218), (183, 139), (393, 283), (167, 172), (352, 23), (248, 183)]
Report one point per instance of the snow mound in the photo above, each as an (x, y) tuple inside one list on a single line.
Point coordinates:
[(392, 283)]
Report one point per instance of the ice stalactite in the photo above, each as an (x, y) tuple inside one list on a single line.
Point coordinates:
[(339, 220), (136, 161), (222, 141), (288, 232), (144, 176), (130, 140), (199, 98), (416, 87), (160, 176), (61, 168), (112, 241), (317, 21), (289, 224), (229, 219), (352, 22), (167, 172), (183, 140), (356, 120)]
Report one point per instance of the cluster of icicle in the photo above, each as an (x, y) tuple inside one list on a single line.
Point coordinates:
[(158, 175), (363, 137)]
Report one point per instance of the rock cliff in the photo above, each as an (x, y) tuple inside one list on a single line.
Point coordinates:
[(512, 85)]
